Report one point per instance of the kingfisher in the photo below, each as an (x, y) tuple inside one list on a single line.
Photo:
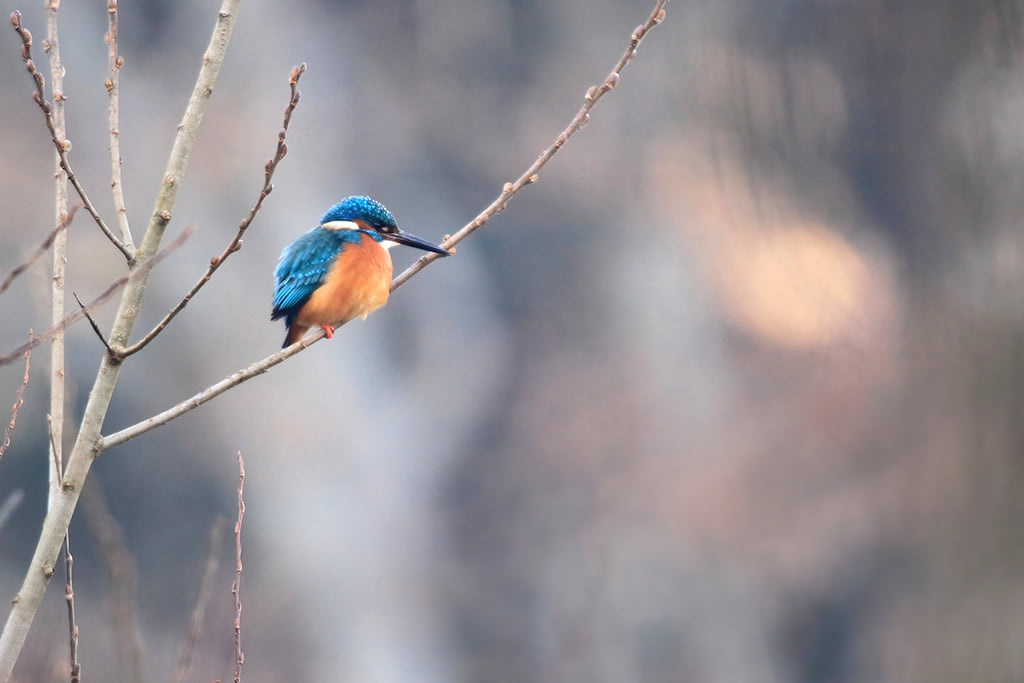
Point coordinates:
[(341, 269)]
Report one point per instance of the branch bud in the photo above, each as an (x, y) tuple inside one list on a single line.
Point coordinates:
[(15, 20), (638, 33), (660, 16)]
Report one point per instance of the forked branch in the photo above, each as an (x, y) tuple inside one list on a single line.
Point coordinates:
[(63, 146), (236, 242)]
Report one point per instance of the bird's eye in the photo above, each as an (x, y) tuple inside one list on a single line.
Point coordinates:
[(387, 229)]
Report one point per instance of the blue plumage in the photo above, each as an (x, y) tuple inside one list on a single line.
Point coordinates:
[(304, 264), (364, 208), (354, 289)]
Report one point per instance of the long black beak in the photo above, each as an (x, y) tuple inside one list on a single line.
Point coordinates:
[(415, 242)]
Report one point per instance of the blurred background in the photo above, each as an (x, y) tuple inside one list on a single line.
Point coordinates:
[(734, 393)]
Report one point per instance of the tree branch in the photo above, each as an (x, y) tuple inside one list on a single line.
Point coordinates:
[(86, 447), (114, 64), (62, 144), (236, 586), (593, 94), (17, 403), (236, 242), (60, 259), (107, 294), (69, 597), (40, 250), (95, 327)]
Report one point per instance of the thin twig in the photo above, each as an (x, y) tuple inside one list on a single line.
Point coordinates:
[(530, 176), (90, 434), (54, 450), (60, 256), (236, 242), (114, 64), (10, 505), (69, 597), (195, 631), (95, 327), (17, 401), (237, 585), (63, 145), (40, 250), (109, 292)]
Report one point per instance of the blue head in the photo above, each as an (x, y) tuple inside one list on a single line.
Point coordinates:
[(369, 215), (363, 209)]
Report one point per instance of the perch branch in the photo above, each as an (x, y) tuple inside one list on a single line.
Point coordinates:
[(114, 64), (86, 448), (40, 250), (236, 242), (530, 176), (17, 403), (107, 294), (63, 145)]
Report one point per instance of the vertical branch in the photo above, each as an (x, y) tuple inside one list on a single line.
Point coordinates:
[(114, 63), (237, 585), (69, 597), (87, 444), (60, 248), (17, 403)]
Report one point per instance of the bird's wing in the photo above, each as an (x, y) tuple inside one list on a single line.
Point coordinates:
[(303, 266)]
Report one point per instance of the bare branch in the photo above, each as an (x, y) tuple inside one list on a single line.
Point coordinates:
[(119, 566), (107, 294), (60, 257), (63, 145), (86, 447), (17, 402), (236, 242), (95, 327), (207, 394), (40, 250), (498, 205), (236, 587), (69, 597), (593, 94), (195, 630), (114, 64)]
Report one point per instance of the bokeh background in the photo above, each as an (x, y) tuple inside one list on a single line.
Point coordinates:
[(732, 394)]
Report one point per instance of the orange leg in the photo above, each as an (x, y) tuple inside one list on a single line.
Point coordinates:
[(328, 330)]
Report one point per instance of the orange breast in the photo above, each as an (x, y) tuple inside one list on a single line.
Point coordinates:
[(356, 285)]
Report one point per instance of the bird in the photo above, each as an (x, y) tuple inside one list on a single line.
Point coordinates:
[(341, 269)]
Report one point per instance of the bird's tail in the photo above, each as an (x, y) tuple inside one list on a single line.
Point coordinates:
[(295, 332)]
